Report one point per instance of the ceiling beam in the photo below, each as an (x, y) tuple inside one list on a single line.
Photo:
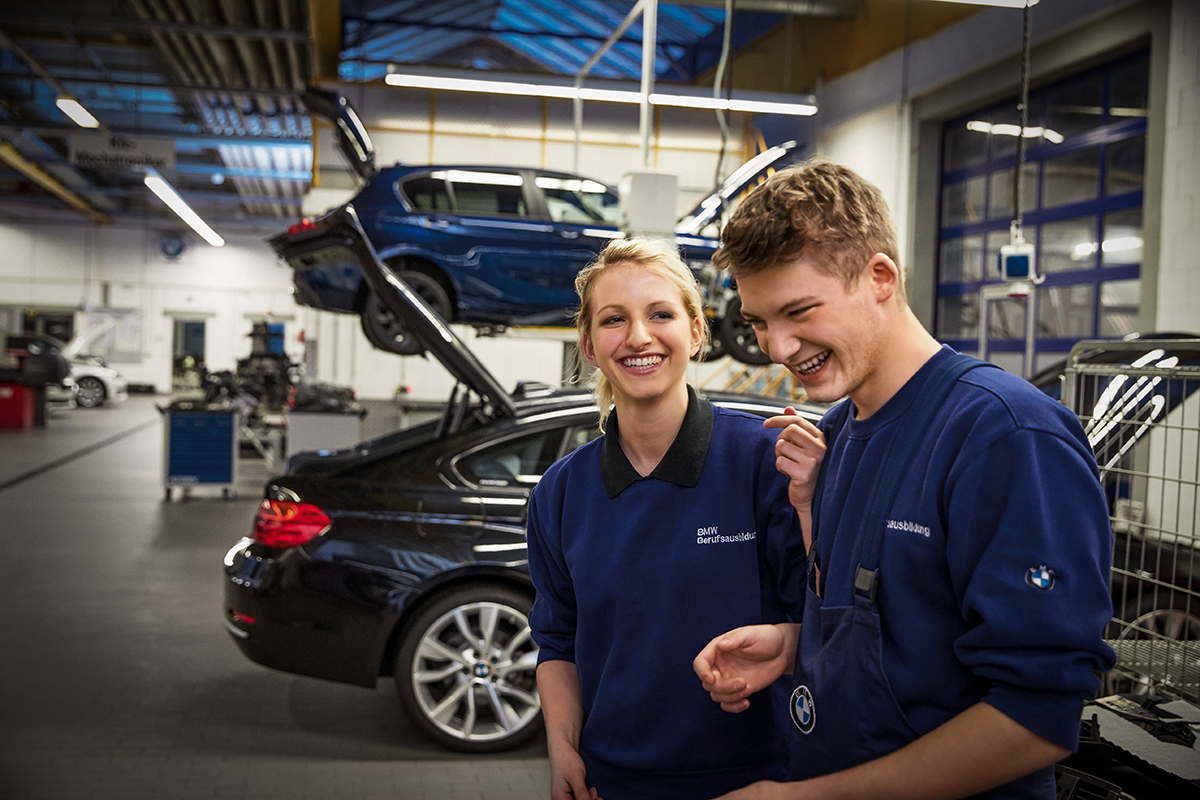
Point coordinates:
[(324, 38), (97, 25), (169, 87), (55, 129), (10, 156)]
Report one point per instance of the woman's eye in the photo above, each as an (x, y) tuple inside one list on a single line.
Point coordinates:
[(662, 315), (610, 321)]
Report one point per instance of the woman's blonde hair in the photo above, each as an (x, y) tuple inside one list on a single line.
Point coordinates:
[(656, 257)]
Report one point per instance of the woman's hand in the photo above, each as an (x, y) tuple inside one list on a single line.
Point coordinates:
[(568, 776)]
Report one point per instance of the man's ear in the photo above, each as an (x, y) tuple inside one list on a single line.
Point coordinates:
[(883, 276), (585, 347)]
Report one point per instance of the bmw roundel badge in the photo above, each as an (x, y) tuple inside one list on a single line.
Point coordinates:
[(803, 713), (1041, 577)]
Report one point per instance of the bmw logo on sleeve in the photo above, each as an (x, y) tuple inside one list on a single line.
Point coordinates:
[(803, 713), (1040, 577)]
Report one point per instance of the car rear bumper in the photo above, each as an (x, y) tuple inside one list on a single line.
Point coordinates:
[(300, 616)]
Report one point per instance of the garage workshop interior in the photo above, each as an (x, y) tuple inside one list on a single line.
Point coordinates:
[(287, 339)]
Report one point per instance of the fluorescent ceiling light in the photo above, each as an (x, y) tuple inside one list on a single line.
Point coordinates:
[(1119, 244), (78, 114), (1001, 3), (566, 92), (1006, 129), (168, 195)]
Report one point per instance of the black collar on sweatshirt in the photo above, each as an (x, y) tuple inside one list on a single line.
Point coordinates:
[(683, 461)]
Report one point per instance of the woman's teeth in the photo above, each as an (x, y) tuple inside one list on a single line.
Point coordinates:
[(642, 361)]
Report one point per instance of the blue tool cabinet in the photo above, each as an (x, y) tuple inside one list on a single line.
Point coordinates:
[(201, 449)]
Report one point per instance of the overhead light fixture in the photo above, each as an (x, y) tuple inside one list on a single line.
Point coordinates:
[(569, 92), (1006, 129), (157, 184), (78, 114), (998, 3)]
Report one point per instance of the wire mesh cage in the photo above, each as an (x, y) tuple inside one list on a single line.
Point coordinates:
[(1139, 402)]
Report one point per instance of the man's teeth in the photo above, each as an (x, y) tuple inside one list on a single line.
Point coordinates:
[(643, 361), (813, 363)]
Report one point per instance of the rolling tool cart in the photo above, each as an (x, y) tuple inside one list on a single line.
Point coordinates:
[(200, 448)]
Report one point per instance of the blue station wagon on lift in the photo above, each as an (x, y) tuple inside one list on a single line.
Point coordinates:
[(493, 246)]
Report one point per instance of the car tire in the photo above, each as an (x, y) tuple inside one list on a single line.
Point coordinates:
[(91, 392), (737, 337), (1162, 618), (466, 669), (385, 332)]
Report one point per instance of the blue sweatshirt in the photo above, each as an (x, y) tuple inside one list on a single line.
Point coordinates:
[(635, 576), (994, 567)]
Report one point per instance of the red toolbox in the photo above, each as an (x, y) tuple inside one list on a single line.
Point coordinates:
[(17, 405)]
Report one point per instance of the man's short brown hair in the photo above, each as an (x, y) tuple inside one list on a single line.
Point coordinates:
[(818, 207)]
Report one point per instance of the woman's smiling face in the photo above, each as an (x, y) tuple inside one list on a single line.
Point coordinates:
[(639, 335)]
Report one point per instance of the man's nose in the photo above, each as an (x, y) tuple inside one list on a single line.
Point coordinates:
[(778, 344)]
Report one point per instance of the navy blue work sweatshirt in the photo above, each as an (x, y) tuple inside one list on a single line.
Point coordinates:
[(994, 567), (636, 575)]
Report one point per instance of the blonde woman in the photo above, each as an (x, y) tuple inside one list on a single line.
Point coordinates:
[(644, 544)]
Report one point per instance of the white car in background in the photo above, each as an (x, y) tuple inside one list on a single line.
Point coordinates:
[(96, 382)]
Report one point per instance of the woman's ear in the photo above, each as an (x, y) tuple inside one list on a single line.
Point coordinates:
[(697, 337), (585, 347)]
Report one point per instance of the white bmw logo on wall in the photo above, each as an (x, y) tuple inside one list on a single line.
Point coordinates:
[(1041, 577), (803, 712)]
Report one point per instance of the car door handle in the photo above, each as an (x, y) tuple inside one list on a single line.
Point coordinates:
[(569, 234)]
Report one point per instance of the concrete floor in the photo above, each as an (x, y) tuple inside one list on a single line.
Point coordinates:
[(117, 678)]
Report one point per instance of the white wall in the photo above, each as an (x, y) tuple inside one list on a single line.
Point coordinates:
[(88, 266), (1179, 280), (875, 145)]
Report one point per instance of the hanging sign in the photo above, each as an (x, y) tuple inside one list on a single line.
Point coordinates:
[(114, 151)]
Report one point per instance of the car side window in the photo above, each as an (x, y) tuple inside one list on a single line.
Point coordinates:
[(427, 193), (513, 462), (485, 192), (578, 437), (579, 200)]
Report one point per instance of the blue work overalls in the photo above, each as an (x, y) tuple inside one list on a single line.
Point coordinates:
[(841, 702)]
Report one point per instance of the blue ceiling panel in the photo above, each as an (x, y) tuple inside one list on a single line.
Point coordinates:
[(552, 36)]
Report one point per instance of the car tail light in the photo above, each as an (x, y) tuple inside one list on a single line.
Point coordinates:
[(303, 226), (282, 523)]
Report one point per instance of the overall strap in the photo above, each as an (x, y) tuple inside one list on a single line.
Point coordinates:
[(914, 425), (837, 417)]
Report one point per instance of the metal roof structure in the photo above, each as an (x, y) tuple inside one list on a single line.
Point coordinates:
[(213, 86)]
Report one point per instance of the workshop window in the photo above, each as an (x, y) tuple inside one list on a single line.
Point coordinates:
[(1081, 204)]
